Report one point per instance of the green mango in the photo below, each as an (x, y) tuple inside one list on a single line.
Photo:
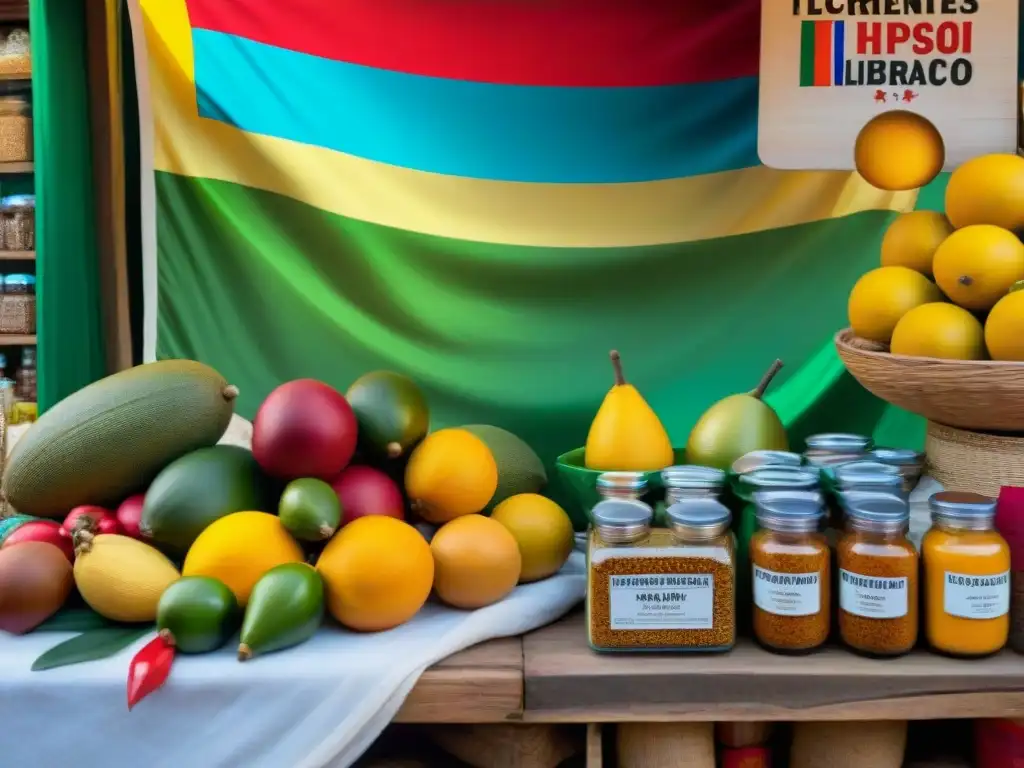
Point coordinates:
[(285, 608), (197, 614), (309, 509), (392, 413)]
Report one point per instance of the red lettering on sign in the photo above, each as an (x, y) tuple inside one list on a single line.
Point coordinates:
[(869, 38), (899, 33), (924, 43), (947, 38)]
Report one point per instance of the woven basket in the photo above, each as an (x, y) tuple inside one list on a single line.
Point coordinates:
[(17, 313), (974, 461), (15, 138), (982, 395)]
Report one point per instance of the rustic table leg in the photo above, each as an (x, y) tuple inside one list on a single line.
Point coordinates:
[(595, 746), (506, 746), (665, 745)]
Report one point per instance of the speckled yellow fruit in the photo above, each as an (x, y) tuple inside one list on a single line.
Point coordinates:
[(239, 548), (939, 330), (476, 562), (1004, 328), (450, 473), (377, 573), (884, 295), (542, 530), (987, 190), (912, 239), (121, 578), (898, 151), (977, 265)]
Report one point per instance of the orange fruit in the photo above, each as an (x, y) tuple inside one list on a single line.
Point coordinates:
[(987, 190), (898, 151), (912, 238), (1004, 329), (451, 473), (476, 562), (542, 530), (882, 296), (377, 573), (977, 265), (939, 330)]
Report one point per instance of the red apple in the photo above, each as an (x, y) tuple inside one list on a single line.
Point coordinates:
[(104, 520), (367, 491), (47, 531), (129, 515)]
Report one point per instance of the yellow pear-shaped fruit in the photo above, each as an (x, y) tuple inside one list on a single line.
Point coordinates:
[(735, 426), (626, 433)]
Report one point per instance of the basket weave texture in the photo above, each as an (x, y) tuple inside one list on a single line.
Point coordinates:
[(974, 461), (17, 313), (979, 395)]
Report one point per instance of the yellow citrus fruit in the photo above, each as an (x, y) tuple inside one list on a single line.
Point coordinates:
[(1004, 328), (884, 295), (377, 573), (976, 265), (542, 530), (987, 190), (939, 330), (239, 548), (899, 150), (451, 473), (912, 238), (476, 562)]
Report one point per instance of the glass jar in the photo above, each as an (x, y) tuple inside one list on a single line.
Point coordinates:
[(18, 214), (26, 379), (748, 462), (691, 481), (909, 462), (878, 575), (791, 563), (622, 485), (967, 576), (661, 590), (19, 285), (832, 448)]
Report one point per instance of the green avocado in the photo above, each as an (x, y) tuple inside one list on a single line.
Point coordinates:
[(285, 608), (199, 488), (309, 509), (197, 614), (392, 413)]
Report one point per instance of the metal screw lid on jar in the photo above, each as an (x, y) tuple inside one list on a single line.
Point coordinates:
[(692, 476), (959, 507), (875, 510), (839, 442), (791, 511), (764, 459), (780, 477), (899, 457), (622, 483), (622, 520), (698, 519), (866, 467)]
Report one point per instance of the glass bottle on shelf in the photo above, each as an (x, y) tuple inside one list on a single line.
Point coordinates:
[(25, 386)]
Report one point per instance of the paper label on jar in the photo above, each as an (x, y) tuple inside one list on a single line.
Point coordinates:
[(976, 597), (873, 597), (787, 594), (662, 601)]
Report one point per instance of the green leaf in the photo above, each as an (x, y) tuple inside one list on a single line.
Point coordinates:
[(90, 646), (73, 620)]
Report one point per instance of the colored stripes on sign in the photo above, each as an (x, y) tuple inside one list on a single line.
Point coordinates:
[(597, 43), (822, 53), (478, 130)]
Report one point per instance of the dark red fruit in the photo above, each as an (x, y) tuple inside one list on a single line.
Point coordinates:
[(129, 515), (48, 531), (304, 429), (367, 491)]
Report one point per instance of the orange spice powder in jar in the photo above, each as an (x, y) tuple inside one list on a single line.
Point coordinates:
[(878, 576), (791, 563), (967, 576)]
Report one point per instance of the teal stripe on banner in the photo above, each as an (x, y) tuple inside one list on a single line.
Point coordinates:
[(478, 130)]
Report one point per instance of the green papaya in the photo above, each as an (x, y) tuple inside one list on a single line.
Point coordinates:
[(285, 608), (392, 413), (309, 509), (520, 469), (197, 614)]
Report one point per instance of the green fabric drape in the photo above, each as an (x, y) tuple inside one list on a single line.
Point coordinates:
[(71, 346)]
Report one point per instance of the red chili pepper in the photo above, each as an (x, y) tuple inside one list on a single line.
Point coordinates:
[(149, 669)]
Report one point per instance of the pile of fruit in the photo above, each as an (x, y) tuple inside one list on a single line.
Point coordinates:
[(949, 284), (345, 505)]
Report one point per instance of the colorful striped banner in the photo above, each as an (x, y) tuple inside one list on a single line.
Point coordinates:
[(822, 53)]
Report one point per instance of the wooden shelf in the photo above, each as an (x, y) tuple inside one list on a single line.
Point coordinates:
[(16, 339), (17, 255), (17, 167), (565, 681), (16, 76)]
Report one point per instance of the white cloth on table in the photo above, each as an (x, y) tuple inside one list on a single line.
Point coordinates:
[(318, 704)]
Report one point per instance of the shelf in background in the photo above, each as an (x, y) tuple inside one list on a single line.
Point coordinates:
[(17, 167), (17, 255), (14, 11), (16, 76), (16, 339)]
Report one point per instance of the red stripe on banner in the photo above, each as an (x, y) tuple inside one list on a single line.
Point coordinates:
[(589, 43), (823, 53)]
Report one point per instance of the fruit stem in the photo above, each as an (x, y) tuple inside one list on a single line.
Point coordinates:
[(230, 392), (326, 531), (167, 636), (766, 380), (82, 534), (617, 367), (394, 450), (244, 652)]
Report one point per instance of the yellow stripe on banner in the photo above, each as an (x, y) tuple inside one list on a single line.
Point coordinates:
[(513, 213)]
